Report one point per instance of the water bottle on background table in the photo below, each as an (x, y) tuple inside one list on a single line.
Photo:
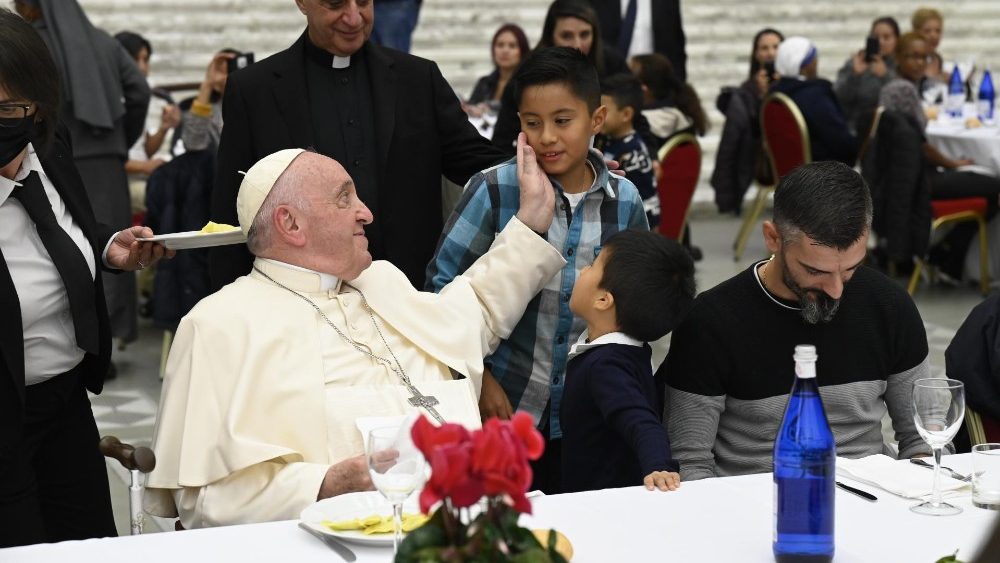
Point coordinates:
[(956, 94), (984, 103)]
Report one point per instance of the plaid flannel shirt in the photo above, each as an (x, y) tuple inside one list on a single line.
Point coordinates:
[(530, 365)]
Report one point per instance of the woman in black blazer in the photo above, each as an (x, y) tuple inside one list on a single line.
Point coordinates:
[(55, 340)]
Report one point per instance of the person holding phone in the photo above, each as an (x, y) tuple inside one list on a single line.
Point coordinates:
[(201, 126), (864, 74), (740, 158)]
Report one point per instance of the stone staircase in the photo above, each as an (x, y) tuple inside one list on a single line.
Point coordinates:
[(456, 34)]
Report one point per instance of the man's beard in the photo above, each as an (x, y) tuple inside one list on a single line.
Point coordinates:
[(821, 308)]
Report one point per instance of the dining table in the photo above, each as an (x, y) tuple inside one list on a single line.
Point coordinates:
[(725, 519)]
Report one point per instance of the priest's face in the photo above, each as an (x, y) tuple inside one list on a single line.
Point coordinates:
[(339, 27), (336, 221)]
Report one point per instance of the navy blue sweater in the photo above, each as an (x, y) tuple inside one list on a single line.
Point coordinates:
[(610, 416)]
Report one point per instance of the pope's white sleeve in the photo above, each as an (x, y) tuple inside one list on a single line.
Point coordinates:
[(267, 491)]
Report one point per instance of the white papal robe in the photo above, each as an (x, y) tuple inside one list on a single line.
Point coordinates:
[(261, 396)]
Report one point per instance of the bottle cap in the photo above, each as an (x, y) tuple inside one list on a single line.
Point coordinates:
[(805, 361)]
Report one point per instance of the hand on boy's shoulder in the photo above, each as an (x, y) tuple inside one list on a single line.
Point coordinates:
[(662, 480)]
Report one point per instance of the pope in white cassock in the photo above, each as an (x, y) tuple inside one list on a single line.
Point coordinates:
[(267, 378)]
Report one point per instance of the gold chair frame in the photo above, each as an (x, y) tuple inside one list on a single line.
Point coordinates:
[(984, 254)]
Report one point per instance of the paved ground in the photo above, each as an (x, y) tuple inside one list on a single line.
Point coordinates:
[(128, 405)]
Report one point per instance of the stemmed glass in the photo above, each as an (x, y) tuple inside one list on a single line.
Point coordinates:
[(938, 411), (396, 467)]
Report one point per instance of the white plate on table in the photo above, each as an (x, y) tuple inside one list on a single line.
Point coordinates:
[(197, 239), (354, 505)]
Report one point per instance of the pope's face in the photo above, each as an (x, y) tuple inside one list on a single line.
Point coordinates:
[(340, 27), (336, 219)]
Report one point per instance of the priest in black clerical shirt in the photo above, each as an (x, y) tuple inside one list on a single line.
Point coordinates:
[(389, 118)]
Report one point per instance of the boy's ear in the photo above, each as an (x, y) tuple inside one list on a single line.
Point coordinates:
[(597, 119), (604, 301), (628, 113)]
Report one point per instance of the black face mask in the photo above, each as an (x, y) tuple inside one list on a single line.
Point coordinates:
[(14, 139)]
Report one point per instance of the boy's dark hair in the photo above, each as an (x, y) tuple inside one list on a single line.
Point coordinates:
[(828, 201), (625, 89), (28, 72), (559, 65), (652, 280)]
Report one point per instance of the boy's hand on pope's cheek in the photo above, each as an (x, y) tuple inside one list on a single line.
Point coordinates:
[(538, 198), (493, 399), (662, 480)]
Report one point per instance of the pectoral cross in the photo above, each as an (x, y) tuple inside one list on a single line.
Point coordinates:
[(427, 402)]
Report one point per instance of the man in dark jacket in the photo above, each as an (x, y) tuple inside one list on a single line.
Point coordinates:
[(829, 136), (389, 117), (640, 27)]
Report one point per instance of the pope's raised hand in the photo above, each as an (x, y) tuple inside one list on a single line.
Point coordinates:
[(538, 198)]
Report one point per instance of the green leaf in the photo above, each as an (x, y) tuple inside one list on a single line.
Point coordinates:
[(953, 558)]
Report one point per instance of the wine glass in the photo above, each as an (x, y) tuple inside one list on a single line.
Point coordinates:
[(396, 467), (938, 411)]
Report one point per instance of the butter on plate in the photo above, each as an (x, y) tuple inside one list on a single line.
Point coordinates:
[(375, 524), (213, 227)]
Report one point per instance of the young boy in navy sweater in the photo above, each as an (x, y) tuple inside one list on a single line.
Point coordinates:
[(622, 95), (637, 290)]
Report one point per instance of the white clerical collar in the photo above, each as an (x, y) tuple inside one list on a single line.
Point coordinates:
[(582, 345), (326, 281), (341, 62)]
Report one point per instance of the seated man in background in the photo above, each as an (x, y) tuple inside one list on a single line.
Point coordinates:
[(267, 378), (730, 365), (829, 135)]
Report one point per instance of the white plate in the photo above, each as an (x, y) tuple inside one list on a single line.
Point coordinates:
[(197, 239), (354, 505)]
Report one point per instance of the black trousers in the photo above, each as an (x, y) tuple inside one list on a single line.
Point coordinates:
[(546, 471), (54, 487), (949, 254)]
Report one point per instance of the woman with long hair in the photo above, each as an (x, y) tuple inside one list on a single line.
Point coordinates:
[(740, 158), (672, 106), (572, 23), (508, 48)]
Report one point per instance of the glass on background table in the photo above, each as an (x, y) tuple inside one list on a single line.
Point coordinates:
[(986, 476)]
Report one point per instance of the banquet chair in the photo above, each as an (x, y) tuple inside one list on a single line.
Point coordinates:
[(948, 212), (680, 166), (786, 142), (136, 460), (982, 429), (872, 131)]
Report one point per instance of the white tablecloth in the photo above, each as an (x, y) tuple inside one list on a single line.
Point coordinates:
[(724, 520), (982, 144)]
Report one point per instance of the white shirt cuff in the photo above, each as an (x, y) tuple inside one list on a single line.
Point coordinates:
[(104, 255)]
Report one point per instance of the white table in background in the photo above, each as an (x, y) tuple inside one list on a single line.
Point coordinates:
[(715, 520), (954, 140)]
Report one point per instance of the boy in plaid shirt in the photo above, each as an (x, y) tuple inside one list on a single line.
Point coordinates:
[(558, 95)]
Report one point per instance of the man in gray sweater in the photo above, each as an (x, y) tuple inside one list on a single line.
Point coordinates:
[(730, 365)]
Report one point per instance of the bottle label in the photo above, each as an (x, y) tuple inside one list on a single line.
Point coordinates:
[(984, 108)]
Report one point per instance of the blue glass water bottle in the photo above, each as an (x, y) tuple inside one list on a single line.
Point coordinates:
[(804, 471), (984, 103), (956, 93)]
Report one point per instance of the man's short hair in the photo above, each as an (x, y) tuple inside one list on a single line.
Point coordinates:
[(625, 89), (651, 279), (828, 201), (559, 65)]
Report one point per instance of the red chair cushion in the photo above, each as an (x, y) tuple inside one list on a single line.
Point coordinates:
[(942, 207), (678, 179), (784, 138)]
